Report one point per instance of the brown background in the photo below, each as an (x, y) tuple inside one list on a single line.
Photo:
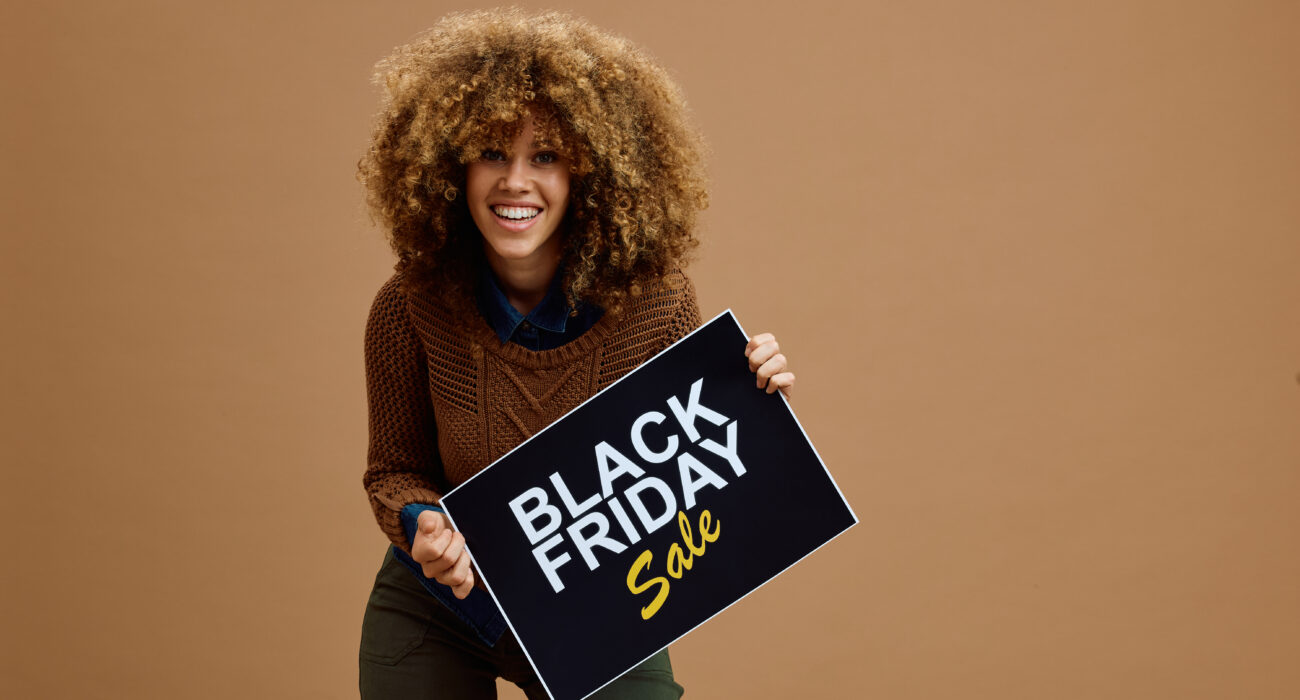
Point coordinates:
[(1037, 265)]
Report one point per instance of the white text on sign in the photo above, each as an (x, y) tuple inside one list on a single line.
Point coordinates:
[(585, 526)]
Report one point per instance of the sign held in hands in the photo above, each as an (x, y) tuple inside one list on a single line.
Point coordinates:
[(645, 511)]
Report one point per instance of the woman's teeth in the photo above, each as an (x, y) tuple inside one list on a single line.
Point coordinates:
[(516, 213)]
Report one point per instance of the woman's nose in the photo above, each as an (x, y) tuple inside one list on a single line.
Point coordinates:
[(516, 175)]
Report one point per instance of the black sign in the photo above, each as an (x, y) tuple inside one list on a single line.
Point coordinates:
[(645, 511)]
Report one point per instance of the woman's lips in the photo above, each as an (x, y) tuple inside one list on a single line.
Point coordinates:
[(515, 218), (516, 211)]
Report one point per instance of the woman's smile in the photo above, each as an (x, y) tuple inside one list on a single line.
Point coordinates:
[(516, 213), (515, 218)]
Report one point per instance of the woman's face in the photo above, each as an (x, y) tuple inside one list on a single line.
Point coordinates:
[(517, 200)]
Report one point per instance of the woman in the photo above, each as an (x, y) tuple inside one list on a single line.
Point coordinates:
[(539, 182)]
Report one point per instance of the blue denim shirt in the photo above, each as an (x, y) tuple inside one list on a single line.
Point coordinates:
[(549, 325)]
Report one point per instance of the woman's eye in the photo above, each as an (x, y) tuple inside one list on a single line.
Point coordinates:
[(546, 157), (491, 154)]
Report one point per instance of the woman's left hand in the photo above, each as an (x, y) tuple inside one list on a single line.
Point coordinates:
[(767, 362)]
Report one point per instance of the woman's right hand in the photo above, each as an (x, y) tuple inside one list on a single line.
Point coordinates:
[(440, 552)]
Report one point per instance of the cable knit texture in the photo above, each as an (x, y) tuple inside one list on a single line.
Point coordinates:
[(446, 401)]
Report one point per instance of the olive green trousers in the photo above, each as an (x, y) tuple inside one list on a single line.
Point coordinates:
[(413, 647)]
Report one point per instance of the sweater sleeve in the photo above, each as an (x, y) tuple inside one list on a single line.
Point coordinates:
[(403, 466)]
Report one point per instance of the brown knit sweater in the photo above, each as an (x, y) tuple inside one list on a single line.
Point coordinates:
[(446, 400)]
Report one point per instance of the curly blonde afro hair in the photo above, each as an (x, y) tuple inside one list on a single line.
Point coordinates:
[(467, 85)]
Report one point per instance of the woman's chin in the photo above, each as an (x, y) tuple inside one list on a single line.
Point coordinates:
[(520, 250), (522, 255)]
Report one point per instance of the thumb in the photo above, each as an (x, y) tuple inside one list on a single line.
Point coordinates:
[(430, 522)]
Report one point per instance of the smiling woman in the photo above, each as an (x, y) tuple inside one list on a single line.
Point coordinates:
[(539, 182), (465, 88), (517, 199)]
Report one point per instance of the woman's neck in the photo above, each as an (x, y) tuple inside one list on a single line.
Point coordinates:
[(524, 282)]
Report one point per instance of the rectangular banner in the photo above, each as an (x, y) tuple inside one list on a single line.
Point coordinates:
[(645, 511)]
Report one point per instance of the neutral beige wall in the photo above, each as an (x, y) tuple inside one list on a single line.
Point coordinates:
[(1037, 265)]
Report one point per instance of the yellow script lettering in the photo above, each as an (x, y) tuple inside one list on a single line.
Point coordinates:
[(679, 562), (643, 562)]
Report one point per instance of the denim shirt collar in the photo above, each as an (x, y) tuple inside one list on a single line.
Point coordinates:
[(551, 315)]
